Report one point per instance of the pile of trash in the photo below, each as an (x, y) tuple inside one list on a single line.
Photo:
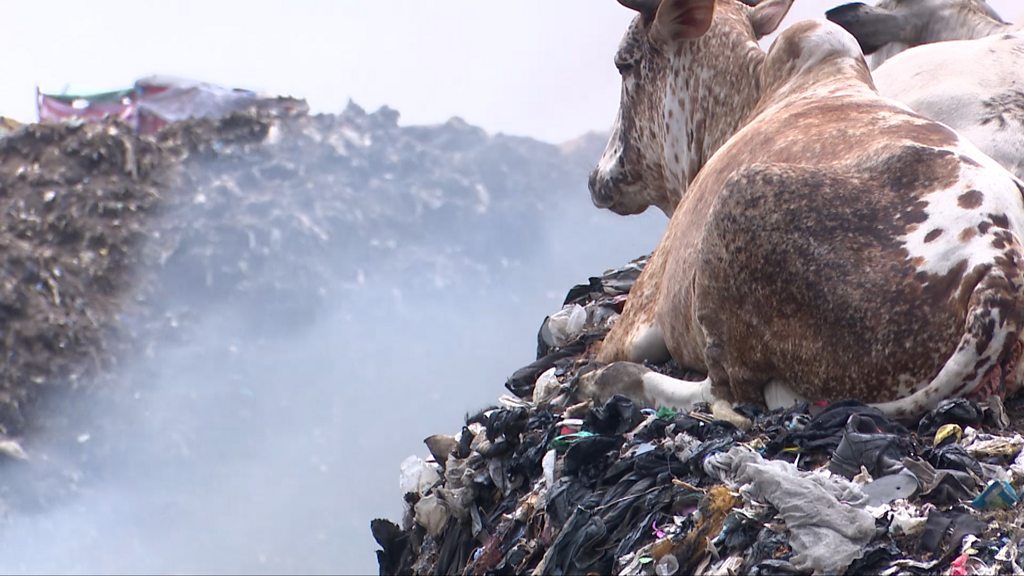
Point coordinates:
[(73, 209), (118, 242), (544, 483)]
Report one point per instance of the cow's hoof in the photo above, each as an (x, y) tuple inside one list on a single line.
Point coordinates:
[(723, 410)]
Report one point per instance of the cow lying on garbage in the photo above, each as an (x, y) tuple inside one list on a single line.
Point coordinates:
[(974, 85), (837, 246)]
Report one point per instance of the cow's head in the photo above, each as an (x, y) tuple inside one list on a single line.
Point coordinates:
[(895, 25), (670, 58)]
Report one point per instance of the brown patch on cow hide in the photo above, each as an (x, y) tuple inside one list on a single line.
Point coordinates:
[(968, 234), (1000, 221), (967, 160), (970, 199), (941, 286), (929, 134), (933, 235), (917, 213)]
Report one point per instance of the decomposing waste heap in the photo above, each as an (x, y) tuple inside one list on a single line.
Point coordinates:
[(115, 243), (545, 484)]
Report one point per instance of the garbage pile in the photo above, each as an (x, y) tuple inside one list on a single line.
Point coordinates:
[(116, 243), (74, 204), (543, 483)]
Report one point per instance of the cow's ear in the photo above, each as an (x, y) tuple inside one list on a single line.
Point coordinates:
[(766, 16), (679, 20), (873, 27)]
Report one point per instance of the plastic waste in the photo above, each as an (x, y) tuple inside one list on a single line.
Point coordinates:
[(966, 565), (565, 326), (441, 446), (948, 433), (826, 534), (548, 467), (952, 456), (665, 413), (907, 521), (891, 488), (617, 416), (1018, 466), (547, 387), (865, 444), (950, 411), (667, 566), (988, 446), (998, 495), (563, 442), (417, 476), (432, 514), (942, 487)]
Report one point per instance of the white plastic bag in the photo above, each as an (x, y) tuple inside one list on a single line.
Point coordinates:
[(417, 475), (564, 326)]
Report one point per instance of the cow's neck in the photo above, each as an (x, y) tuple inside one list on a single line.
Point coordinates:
[(963, 28), (968, 27), (707, 101)]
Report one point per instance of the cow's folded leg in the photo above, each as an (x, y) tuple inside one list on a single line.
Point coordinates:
[(649, 388)]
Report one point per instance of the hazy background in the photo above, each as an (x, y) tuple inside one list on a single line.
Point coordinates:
[(271, 454), (541, 68)]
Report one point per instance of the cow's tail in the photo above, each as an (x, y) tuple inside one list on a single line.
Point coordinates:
[(989, 348)]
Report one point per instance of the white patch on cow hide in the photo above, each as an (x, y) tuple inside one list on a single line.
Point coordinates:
[(1000, 198)]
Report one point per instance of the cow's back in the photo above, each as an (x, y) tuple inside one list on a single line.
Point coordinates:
[(845, 238), (973, 86)]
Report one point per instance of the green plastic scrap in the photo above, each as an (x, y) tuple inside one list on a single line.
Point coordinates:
[(665, 413), (564, 441)]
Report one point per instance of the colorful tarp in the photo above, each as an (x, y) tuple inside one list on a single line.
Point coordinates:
[(155, 101)]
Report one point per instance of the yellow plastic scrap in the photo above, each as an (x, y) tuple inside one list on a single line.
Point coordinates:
[(713, 509), (947, 431)]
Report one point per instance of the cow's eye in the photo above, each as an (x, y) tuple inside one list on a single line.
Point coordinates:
[(623, 67)]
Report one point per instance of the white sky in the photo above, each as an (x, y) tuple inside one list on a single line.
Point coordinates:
[(535, 67)]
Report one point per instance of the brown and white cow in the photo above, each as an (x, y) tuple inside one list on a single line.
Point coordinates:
[(837, 246)]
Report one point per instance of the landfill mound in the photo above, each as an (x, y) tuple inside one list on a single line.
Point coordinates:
[(546, 484), (74, 204), (116, 243)]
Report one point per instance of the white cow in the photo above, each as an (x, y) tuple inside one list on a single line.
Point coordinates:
[(964, 67), (836, 246), (896, 25)]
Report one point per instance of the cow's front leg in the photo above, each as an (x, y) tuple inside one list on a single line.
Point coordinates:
[(652, 389)]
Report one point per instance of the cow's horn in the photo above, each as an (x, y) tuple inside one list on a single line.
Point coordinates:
[(645, 7)]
